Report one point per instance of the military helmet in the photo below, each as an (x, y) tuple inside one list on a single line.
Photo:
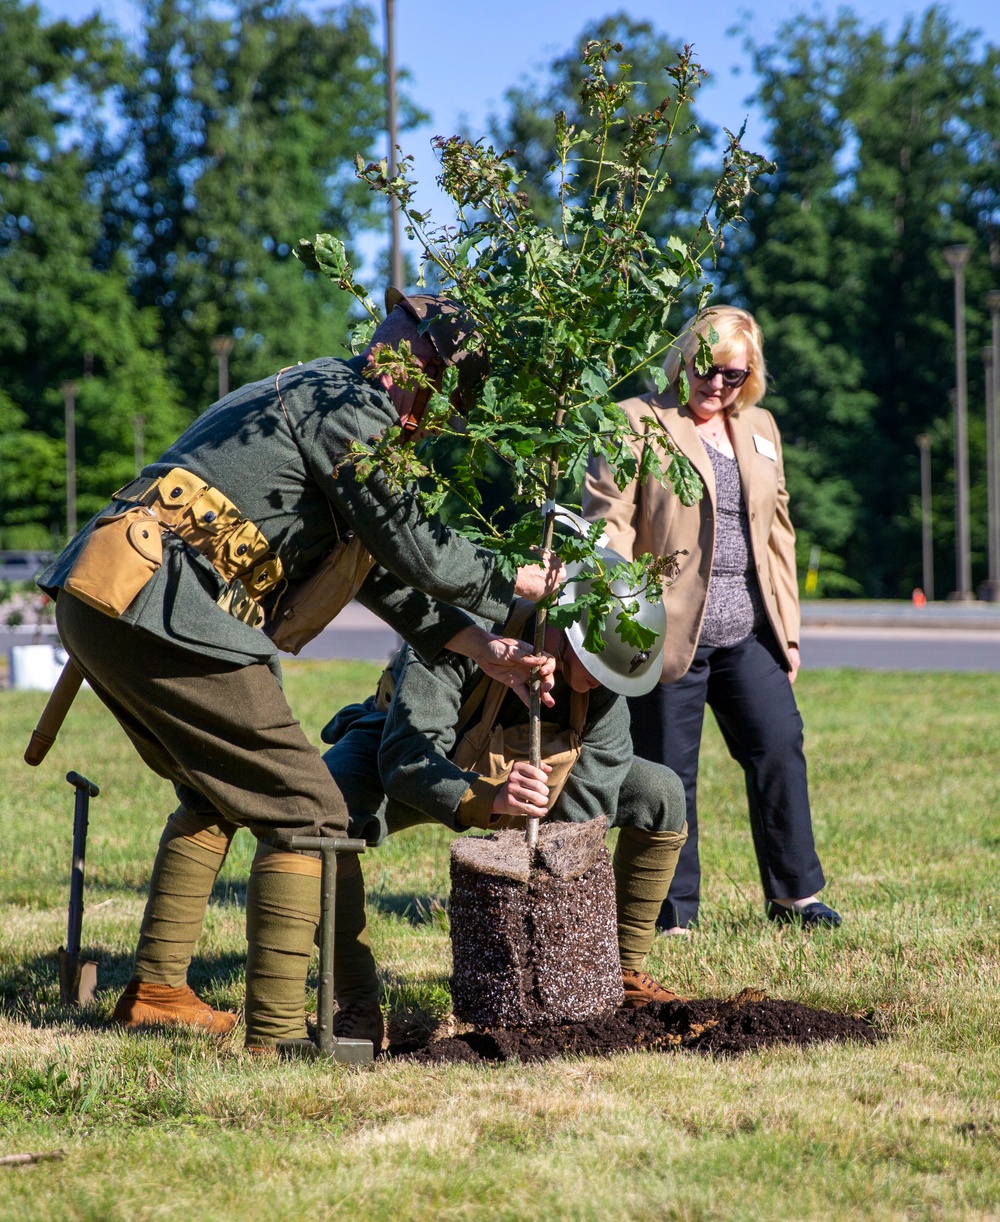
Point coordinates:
[(623, 668), (455, 340)]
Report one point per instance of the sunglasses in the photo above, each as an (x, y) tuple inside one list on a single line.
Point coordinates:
[(730, 377)]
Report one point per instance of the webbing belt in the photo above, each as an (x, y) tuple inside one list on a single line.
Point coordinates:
[(207, 519)]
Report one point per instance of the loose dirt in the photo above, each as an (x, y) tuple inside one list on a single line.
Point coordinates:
[(725, 1027)]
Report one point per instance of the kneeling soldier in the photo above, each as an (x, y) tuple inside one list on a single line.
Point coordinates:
[(418, 751)]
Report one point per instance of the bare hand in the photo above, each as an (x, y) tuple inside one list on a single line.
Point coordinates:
[(524, 792), (535, 581), (513, 662), (796, 659), (510, 661)]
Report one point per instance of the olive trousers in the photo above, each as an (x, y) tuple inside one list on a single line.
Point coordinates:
[(226, 738)]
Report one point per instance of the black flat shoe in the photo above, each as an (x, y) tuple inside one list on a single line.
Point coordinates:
[(813, 916)]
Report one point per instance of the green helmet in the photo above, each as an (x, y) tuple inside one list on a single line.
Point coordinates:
[(621, 667)]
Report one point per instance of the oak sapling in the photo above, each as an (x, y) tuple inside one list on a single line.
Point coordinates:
[(567, 311)]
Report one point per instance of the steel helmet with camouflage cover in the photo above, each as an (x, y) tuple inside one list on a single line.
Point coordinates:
[(621, 667)]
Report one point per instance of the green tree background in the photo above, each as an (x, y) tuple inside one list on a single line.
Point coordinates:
[(149, 202), (885, 153)]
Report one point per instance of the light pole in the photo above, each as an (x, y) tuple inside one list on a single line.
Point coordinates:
[(956, 257), (989, 590), (991, 368), (395, 247), (139, 442), (926, 521), (69, 403), (222, 345)]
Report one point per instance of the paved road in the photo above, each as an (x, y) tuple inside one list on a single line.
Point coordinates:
[(901, 648), (869, 636), (866, 646)]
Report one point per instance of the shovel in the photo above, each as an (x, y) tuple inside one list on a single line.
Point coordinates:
[(77, 979)]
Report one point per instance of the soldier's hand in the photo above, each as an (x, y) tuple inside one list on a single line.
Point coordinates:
[(535, 581), (513, 662), (524, 792), (510, 661)]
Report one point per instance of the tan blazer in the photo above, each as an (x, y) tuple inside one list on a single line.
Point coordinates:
[(651, 518)]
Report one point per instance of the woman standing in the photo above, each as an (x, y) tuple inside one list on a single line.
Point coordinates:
[(732, 613)]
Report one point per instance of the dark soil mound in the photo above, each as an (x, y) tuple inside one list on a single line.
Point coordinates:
[(739, 1024)]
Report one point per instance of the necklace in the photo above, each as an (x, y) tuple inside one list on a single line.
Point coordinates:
[(716, 437)]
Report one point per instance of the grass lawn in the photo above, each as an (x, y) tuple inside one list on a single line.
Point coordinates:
[(905, 779)]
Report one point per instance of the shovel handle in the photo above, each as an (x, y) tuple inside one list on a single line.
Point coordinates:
[(53, 715)]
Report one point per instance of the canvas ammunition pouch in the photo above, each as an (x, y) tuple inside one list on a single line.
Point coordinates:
[(123, 551), (491, 750), (308, 607), (121, 554)]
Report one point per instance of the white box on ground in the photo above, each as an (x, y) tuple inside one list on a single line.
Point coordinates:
[(36, 667)]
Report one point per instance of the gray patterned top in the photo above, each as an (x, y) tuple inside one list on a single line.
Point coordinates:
[(735, 607)]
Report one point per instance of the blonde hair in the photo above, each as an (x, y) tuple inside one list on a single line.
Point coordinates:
[(733, 327)]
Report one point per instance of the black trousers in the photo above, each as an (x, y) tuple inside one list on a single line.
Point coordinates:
[(746, 686)]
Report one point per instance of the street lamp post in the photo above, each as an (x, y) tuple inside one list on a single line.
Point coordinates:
[(222, 345), (956, 257), (991, 368), (139, 442), (989, 590), (926, 522), (395, 246), (69, 404)]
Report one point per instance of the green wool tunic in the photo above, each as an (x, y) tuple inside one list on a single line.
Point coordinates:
[(197, 691), (285, 469)]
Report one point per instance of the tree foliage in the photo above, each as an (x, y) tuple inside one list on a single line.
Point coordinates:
[(150, 196), (62, 314), (241, 131), (151, 192), (532, 106), (885, 151), (528, 126)]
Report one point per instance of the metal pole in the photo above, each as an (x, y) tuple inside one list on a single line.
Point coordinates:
[(956, 258), (328, 1046), (77, 980), (85, 790), (992, 302), (139, 442), (222, 345), (395, 247), (926, 522), (325, 1000), (69, 403), (991, 587)]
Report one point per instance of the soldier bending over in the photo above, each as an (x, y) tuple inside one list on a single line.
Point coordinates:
[(159, 600)]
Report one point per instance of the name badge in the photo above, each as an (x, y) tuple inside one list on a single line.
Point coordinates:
[(765, 447)]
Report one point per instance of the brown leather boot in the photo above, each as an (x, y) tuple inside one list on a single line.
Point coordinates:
[(641, 989), (359, 1022), (149, 1005)]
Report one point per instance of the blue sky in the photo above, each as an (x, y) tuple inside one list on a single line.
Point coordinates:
[(463, 54)]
